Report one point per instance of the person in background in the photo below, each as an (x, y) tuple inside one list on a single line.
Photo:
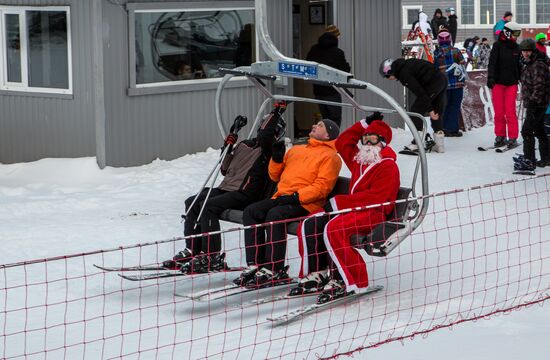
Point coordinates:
[(452, 24), (502, 78), (305, 175), (327, 52), (449, 61), (429, 86), (541, 43), (535, 93), (483, 54), (365, 149), (423, 24), (438, 22), (499, 26)]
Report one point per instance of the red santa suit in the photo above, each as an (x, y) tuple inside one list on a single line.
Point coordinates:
[(370, 184)]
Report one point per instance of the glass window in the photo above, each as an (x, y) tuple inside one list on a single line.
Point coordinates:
[(13, 47), (187, 45), (47, 49), (522, 14), (37, 49), (412, 15), (543, 11), (486, 12), (468, 12)]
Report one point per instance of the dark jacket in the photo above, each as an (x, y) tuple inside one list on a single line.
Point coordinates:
[(504, 63), (326, 52), (422, 78), (452, 26), (535, 81), (437, 23)]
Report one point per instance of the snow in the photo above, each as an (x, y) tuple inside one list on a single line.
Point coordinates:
[(56, 207)]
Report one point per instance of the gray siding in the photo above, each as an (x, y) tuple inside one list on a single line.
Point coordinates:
[(141, 128), (34, 126)]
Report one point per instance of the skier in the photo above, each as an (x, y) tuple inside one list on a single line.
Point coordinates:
[(245, 182), (502, 78), (452, 24), (535, 92), (450, 62), (306, 175), (499, 26), (541, 43), (430, 87), (327, 52), (365, 149), (439, 22), (423, 24)]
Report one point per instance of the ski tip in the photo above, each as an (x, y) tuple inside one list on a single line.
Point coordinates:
[(481, 148), (127, 277)]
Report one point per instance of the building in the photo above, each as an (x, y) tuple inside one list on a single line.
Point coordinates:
[(477, 17), (129, 81)]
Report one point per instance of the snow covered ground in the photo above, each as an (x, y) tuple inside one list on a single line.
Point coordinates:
[(55, 207)]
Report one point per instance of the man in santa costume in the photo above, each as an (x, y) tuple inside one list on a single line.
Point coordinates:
[(324, 240)]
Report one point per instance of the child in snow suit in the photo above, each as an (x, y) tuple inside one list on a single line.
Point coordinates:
[(306, 174), (364, 147)]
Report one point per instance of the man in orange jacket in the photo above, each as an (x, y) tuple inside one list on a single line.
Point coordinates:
[(305, 175)]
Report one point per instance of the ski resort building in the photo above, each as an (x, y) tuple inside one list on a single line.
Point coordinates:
[(477, 17), (129, 81)]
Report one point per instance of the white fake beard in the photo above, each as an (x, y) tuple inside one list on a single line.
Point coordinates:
[(367, 154)]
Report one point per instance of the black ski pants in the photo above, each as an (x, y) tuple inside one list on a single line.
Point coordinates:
[(317, 254), (437, 91), (533, 127), (270, 254), (218, 201)]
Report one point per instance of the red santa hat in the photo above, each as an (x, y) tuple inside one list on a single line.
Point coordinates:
[(380, 128)]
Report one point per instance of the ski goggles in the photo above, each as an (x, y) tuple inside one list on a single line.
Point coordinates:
[(373, 139), (516, 33)]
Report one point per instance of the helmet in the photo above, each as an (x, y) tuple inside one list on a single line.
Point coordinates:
[(528, 45), (444, 38), (385, 68), (451, 10), (512, 29), (540, 36)]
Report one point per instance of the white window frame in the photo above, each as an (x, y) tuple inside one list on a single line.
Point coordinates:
[(191, 81), (477, 16), (532, 14), (405, 9), (23, 86)]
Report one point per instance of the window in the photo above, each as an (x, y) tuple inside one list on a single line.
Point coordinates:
[(184, 46), (410, 15), (36, 49), (532, 12), (474, 13)]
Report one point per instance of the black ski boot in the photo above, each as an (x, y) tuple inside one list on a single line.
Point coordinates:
[(246, 275), (266, 278), (500, 141), (512, 143), (203, 263), (179, 260), (335, 289), (312, 283)]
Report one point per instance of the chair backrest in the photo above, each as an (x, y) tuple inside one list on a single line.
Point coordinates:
[(341, 187), (401, 209)]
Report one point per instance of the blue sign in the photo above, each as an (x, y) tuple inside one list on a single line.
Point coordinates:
[(304, 70)]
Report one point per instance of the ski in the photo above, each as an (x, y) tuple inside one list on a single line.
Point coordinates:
[(271, 299), (228, 291), (133, 268), (408, 152), (487, 148), (297, 313), (169, 274), (504, 149), (524, 172)]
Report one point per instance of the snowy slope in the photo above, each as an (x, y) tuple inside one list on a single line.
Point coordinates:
[(62, 206)]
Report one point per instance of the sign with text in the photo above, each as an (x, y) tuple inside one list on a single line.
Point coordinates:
[(297, 69)]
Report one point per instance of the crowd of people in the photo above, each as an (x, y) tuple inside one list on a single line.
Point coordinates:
[(306, 174)]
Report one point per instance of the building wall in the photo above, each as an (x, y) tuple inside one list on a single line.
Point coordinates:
[(35, 126)]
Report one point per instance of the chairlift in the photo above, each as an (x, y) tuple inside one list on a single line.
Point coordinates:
[(409, 210)]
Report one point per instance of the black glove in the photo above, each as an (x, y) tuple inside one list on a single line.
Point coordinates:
[(490, 83), (288, 199), (231, 139), (278, 151), (377, 115)]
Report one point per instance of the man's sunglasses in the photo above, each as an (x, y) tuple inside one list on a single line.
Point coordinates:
[(372, 139)]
